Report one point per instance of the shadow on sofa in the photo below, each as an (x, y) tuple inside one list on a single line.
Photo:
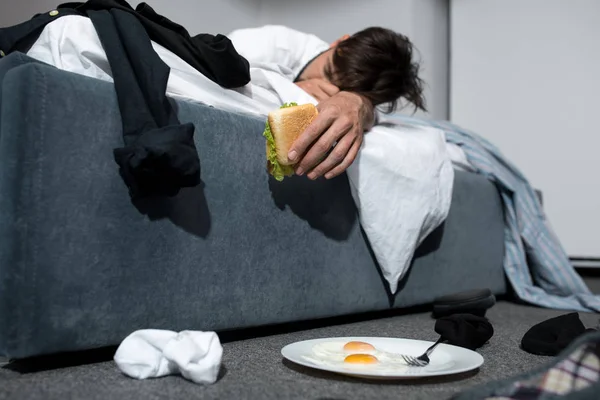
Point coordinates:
[(322, 203), (188, 210)]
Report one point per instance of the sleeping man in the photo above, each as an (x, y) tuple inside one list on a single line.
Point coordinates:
[(349, 78)]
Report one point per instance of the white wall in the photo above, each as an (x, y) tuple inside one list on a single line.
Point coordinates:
[(197, 16), (525, 74), (331, 19), (431, 34), (425, 22)]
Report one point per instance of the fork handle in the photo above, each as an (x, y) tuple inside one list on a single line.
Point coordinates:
[(429, 350)]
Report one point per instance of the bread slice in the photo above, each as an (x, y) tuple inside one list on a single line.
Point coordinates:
[(287, 124)]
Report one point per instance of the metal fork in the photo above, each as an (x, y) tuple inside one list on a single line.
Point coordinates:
[(423, 359)]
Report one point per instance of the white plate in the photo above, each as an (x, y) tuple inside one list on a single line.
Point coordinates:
[(445, 360)]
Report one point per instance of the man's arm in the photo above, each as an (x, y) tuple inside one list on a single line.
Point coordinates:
[(331, 143), (343, 116)]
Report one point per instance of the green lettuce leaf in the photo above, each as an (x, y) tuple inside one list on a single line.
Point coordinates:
[(277, 170)]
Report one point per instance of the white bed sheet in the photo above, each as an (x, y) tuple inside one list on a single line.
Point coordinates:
[(401, 181)]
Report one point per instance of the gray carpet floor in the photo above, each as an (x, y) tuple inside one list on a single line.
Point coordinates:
[(254, 369)]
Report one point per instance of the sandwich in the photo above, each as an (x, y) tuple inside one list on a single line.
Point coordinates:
[(282, 128)]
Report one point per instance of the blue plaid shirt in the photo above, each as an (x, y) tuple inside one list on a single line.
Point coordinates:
[(535, 263)]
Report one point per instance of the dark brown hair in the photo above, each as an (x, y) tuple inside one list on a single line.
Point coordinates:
[(377, 63)]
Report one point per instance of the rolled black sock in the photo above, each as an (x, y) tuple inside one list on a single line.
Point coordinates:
[(475, 302), (465, 330), (550, 337)]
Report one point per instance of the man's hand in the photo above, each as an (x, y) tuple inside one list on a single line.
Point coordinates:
[(320, 89), (331, 142)]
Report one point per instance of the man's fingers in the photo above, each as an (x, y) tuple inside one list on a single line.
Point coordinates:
[(318, 151), (335, 157), (350, 157), (320, 124), (328, 87)]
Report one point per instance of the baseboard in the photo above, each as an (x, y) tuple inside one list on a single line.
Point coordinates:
[(585, 262)]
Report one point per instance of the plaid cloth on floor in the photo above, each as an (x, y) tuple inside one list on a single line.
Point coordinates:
[(535, 263), (573, 375), (578, 371)]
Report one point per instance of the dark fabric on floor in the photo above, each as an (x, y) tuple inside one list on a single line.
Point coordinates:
[(465, 330), (550, 337), (254, 368)]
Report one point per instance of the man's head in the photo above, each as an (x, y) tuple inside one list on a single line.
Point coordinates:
[(376, 63)]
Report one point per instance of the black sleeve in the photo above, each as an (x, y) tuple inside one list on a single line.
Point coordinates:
[(159, 156)]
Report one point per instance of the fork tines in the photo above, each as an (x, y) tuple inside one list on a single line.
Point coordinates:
[(413, 361)]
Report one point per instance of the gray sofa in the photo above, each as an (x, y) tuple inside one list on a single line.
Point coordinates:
[(81, 266)]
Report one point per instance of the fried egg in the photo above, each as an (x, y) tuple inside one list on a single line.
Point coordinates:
[(355, 354)]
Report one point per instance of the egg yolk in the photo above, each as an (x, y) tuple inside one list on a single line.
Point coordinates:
[(358, 347), (361, 359)]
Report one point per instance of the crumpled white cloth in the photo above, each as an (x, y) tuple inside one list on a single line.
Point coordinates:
[(401, 181), (154, 353)]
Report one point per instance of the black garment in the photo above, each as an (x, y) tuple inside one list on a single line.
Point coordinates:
[(550, 337), (20, 38), (475, 302), (159, 157), (214, 56)]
